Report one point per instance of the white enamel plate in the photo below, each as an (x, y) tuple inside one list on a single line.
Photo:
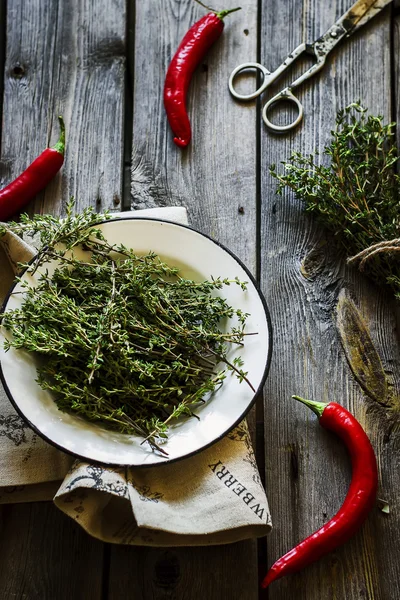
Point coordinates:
[(198, 258)]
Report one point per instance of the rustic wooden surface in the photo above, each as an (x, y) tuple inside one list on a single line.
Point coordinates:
[(102, 66)]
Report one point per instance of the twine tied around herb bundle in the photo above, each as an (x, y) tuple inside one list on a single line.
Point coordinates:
[(385, 247)]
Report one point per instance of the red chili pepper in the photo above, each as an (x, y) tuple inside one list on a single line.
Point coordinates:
[(359, 500), (25, 187), (197, 41)]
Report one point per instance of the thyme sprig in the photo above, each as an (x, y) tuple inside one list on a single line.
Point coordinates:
[(67, 232), (124, 340), (356, 195)]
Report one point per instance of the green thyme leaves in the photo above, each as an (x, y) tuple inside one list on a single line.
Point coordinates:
[(356, 194), (124, 340)]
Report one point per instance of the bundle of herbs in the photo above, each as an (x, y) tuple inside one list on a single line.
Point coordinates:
[(123, 340), (356, 195)]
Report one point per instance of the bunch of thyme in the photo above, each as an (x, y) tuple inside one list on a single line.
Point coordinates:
[(125, 341), (357, 194)]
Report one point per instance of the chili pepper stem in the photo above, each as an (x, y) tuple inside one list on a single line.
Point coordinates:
[(60, 145), (317, 407), (221, 14)]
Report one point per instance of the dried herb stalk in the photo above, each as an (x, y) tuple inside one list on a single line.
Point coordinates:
[(125, 340)]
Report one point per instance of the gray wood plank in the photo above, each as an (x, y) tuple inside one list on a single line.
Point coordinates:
[(396, 64), (307, 469), (44, 555), (61, 58), (216, 174), (213, 178), (174, 574), (2, 53), (66, 58)]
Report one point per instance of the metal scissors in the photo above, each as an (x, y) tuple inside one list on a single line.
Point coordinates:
[(359, 14)]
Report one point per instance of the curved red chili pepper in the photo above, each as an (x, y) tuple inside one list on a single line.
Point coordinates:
[(25, 187), (197, 41), (358, 503)]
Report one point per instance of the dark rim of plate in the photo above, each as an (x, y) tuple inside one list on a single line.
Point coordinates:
[(222, 435)]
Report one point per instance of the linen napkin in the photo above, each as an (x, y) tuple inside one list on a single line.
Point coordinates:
[(214, 497)]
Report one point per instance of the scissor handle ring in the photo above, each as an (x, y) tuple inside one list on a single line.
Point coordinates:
[(244, 67), (285, 94)]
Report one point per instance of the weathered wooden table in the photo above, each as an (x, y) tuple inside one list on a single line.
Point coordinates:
[(101, 64)]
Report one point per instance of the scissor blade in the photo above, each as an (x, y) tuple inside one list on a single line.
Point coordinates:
[(374, 10), (360, 10), (345, 26)]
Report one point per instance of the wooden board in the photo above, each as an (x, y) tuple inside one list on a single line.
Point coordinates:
[(63, 58), (176, 573), (2, 52), (71, 58), (215, 175), (307, 470), (215, 178), (66, 58), (45, 555)]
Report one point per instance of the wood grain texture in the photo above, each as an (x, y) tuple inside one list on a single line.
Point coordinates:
[(70, 58), (2, 54), (307, 470), (45, 555), (396, 66), (215, 178), (174, 574), (66, 58), (216, 174)]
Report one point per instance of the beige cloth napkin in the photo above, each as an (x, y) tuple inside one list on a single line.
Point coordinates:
[(214, 497)]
